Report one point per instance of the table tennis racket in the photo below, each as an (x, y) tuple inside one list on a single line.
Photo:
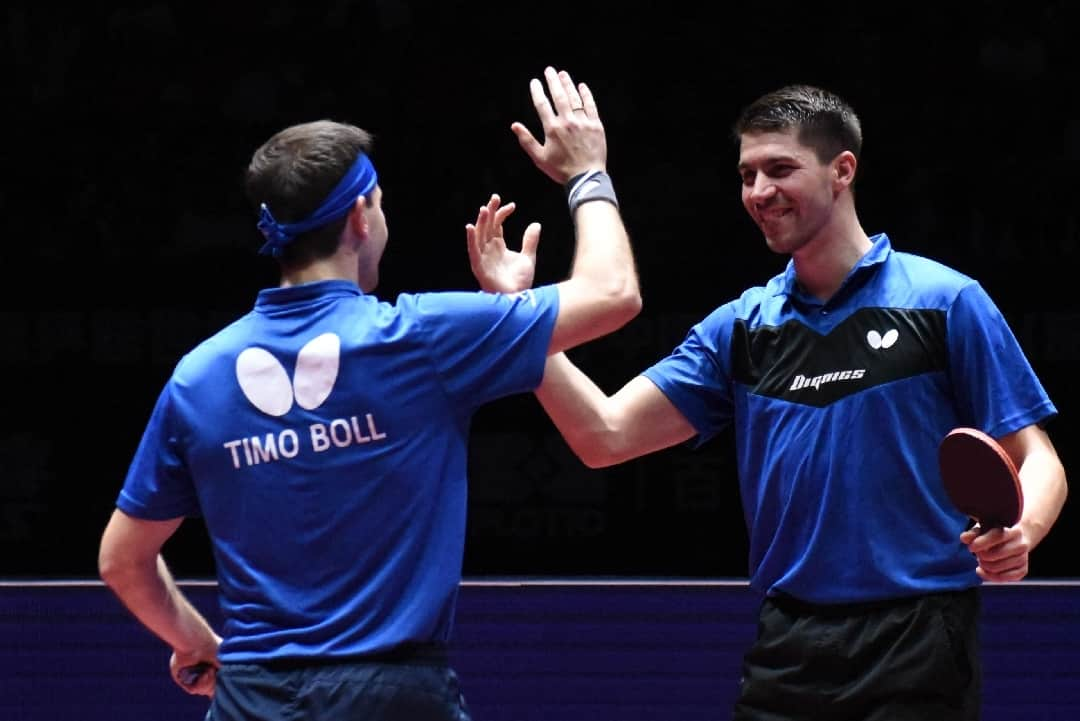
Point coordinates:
[(980, 478)]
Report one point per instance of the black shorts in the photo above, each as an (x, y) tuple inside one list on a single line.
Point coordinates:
[(907, 660)]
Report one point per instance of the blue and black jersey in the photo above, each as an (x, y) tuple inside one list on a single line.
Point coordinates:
[(838, 408)]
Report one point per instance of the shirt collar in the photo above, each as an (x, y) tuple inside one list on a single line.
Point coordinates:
[(878, 254), (270, 298)]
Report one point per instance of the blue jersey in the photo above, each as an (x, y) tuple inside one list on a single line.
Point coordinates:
[(838, 409), (323, 437)]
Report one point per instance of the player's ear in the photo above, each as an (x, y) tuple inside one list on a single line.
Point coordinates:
[(358, 217), (843, 169)]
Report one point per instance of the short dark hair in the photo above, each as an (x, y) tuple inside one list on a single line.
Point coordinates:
[(293, 173), (824, 121)]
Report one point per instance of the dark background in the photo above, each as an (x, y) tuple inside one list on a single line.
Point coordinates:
[(126, 238)]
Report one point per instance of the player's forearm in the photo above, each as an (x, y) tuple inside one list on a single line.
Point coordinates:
[(576, 406), (148, 590), (1043, 480), (604, 263)]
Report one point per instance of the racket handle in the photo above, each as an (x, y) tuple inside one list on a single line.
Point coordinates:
[(190, 675)]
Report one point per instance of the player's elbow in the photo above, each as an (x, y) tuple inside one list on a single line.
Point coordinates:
[(1062, 486), (631, 302), (622, 303), (111, 567), (600, 449), (626, 294), (590, 309), (114, 567)]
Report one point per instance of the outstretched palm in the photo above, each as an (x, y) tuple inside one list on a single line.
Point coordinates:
[(497, 268)]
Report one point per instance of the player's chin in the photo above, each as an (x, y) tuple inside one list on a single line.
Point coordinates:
[(780, 242), (776, 246)]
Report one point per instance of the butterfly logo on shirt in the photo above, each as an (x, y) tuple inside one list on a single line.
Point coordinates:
[(878, 341), (266, 383)]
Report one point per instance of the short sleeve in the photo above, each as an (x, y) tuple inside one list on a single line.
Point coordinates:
[(696, 377), (996, 388), (488, 345), (158, 486)]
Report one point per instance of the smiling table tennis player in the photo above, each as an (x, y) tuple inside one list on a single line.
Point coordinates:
[(841, 375)]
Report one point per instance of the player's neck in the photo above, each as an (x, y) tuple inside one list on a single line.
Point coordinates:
[(823, 263), (332, 268)]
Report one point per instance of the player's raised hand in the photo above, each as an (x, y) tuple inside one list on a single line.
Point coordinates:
[(574, 139), (497, 268)]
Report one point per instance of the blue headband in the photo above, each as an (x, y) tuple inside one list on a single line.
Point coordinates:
[(360, 180)]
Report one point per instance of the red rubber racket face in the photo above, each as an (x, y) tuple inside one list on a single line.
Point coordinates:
[(980, 478)]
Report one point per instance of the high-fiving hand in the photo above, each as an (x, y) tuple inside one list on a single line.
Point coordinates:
[(497, 268), (574, 139)]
